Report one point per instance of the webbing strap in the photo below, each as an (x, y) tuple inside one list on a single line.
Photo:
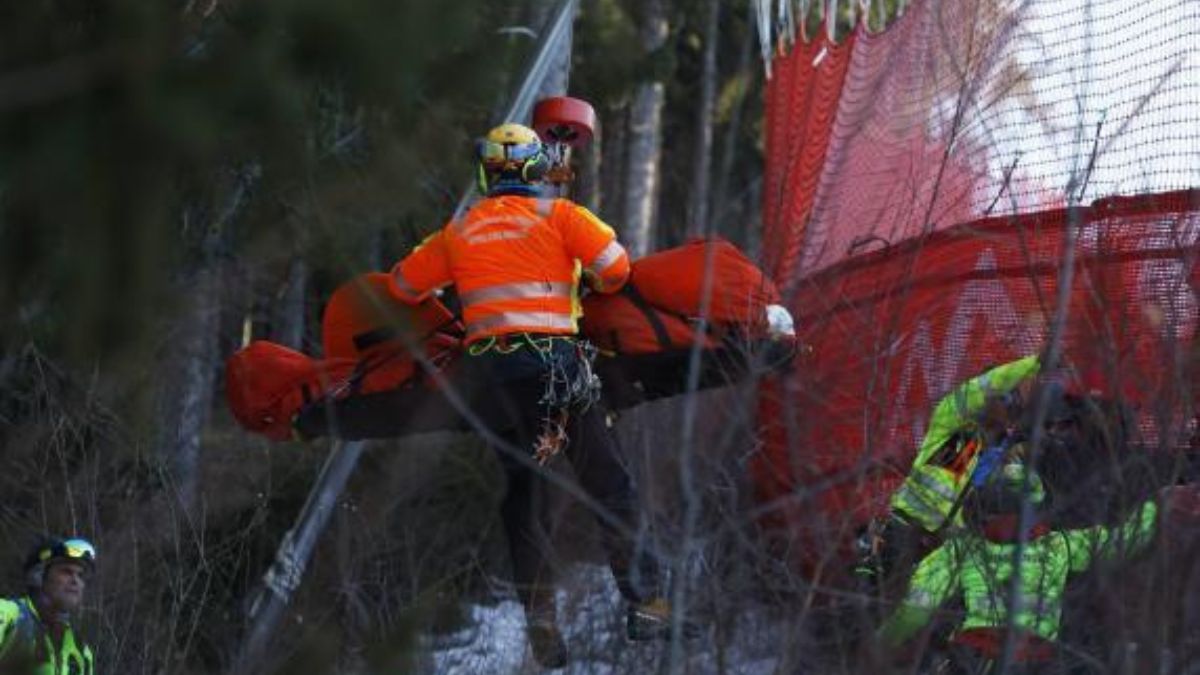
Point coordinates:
[(523, 290), (367, 339), (651, 314)]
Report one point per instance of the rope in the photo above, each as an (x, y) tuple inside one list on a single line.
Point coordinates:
[(571, 385), (570, 378)]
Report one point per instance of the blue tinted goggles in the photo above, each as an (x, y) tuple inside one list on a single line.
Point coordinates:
[(71, 549), (491, 152)]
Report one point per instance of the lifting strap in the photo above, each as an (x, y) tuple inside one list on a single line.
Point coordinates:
[(651, 314)]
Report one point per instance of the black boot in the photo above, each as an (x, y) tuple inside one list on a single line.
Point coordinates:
[(541, 627), (547, 644)]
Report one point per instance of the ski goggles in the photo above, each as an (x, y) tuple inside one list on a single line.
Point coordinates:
[(493, 153), (75, 549)]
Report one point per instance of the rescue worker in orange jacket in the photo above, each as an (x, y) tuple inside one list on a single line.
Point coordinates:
[(516, 259)]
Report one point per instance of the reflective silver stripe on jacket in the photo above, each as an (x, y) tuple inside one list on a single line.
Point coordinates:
[(997, 603), (523, 320), (912, 498), (913, 505), (920, 598), (934, 485), (611, 254), (518, 291)]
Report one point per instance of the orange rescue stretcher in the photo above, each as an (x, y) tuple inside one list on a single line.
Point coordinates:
[(387, 364)]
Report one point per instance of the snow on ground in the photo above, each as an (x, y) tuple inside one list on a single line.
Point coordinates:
[(591, 617)]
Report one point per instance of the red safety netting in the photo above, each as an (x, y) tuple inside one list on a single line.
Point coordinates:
[(894, 330), (799, 115), (916, 229), (973, 108)]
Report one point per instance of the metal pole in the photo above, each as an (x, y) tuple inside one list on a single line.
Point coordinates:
[(519, 108), (286, 572)]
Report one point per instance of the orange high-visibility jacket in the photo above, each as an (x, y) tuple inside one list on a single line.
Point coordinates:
[(516, 262)]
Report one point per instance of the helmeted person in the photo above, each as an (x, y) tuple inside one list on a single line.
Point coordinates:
[(980, 564), (517, 258), (1086, 456), (976, 415), (36, 635)]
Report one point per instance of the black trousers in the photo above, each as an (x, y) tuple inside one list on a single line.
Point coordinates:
[(893, 548), (507, 392)]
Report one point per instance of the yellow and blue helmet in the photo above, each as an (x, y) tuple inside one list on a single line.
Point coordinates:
[(511, 151)]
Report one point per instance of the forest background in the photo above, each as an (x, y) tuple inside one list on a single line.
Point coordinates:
[(177, 179)]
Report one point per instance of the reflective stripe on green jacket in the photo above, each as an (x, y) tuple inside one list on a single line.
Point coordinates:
[(23, 639), (928, 493), (982, 571)]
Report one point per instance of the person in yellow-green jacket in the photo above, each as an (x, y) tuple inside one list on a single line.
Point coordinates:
[(958, 431), (978, 413), (980, 564), (36, 636)]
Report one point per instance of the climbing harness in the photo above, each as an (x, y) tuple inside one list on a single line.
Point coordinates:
[(570, 380), (571, 384)]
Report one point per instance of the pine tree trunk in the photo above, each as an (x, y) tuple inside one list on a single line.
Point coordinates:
[(721, 197), (289, 315), (702, 161), (192, 357), (190, 374), (589, 166), (645, 139), (612, 168)]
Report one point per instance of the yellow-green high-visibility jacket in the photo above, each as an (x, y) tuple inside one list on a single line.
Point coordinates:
[(981, 570), (24, 640), (927, 495)]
